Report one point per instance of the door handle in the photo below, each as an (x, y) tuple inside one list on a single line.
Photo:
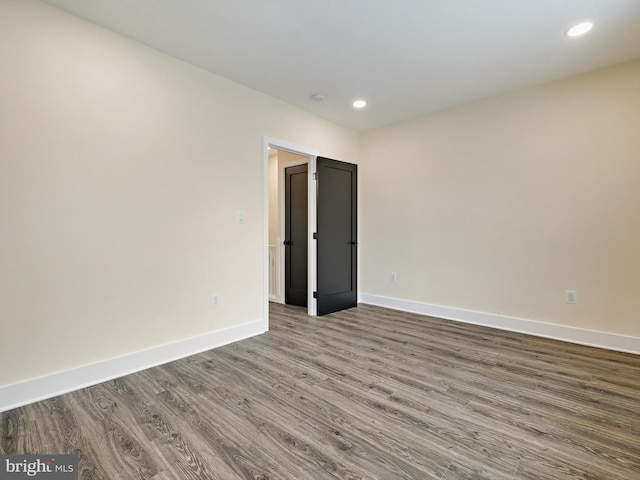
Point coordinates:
[(287, 242), (353, 243)]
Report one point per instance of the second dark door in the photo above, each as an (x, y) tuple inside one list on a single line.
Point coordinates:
[(296, 234)]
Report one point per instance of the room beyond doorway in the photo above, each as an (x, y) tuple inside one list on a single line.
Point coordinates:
[(287, 263)]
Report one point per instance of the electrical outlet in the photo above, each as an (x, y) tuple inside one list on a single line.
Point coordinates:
[(571, 296), (240, 216), (215, 299), (393, 277)]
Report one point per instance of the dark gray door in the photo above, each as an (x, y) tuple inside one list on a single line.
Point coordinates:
[(337, 235), (296, 234)]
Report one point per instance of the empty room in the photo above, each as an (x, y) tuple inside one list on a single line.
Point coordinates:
[(284, 239)]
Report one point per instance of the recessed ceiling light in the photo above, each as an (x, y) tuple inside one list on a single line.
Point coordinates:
[(359, 104), (579, 29)]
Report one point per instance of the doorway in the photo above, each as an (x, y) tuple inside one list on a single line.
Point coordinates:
[(291, 214), (331, 229)]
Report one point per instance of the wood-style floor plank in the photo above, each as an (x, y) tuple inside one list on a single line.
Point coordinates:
[(367, 393)]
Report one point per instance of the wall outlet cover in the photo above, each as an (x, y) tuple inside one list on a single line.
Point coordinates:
[(571, 297)]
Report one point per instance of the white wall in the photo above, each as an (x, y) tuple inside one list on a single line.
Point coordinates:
[(502, 205), (121, 171)]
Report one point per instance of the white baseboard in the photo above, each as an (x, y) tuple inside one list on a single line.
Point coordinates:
[(35, 390), (592, 338)]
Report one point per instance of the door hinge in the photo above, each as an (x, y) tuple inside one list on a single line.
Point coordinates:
[(315, 235), (315, 175), (315, 294)]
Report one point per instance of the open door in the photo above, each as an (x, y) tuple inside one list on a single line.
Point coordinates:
[(337, 240), (296, 233)]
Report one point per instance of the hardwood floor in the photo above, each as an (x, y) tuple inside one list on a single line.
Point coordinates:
[(364, 394)]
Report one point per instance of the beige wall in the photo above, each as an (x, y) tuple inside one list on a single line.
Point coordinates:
[(121, 172), (502, 205)]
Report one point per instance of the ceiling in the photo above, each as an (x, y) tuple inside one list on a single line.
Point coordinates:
[(406, 58)]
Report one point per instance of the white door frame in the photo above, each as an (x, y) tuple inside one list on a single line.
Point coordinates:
[(311, 154)]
